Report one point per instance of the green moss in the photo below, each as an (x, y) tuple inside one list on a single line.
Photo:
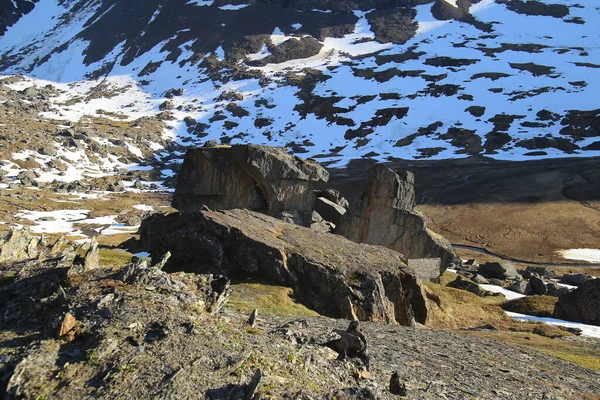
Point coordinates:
[(268, 299)]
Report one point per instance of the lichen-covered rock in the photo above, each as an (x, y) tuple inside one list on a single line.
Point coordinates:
[(385, 216), (18, 245), (330, 274), (259, 178)]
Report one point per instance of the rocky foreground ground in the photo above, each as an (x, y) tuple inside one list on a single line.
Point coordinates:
[(131, 332), (76, 326)]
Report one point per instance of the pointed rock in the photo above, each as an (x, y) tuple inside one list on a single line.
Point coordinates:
[(396, 387), (252, 319), (92, 257)]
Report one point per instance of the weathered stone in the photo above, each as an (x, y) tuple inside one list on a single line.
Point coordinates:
[(18, 245), (92, 256), (351, 343), (258, 178), (211, 291), (68, 327), (385, 216), (329, 210), (581, 305), (427, 269), (27, 177), (542, 272), (48, 150), (497, 270), (522, 287), (480, 280), (332, 275), (334, 196)]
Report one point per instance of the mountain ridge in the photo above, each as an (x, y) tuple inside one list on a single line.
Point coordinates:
[(333, 80)]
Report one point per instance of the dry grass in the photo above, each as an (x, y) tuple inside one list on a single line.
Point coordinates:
[(268, 299), (576, 352), (540, 306), (451, 308)]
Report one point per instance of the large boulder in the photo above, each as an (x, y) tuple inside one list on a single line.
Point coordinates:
[(499, 270), (259, 178), (330, 274), (581, 305), (385, 216)]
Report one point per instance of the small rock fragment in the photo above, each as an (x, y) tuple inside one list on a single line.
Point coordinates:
[(67, 327)]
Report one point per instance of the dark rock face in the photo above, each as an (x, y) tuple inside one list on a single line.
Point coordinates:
[(575, 279), (538, 286), (581, 305), (258, 178), (12, 11), (385, 216), (443, 10), (330, 274)]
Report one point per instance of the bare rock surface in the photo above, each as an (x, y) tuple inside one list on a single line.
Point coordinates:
[(259, 178), (330, 274), (385, 216)]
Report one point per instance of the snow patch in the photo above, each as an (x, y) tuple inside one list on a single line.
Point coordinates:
[(589, 255), (233, 7), (509, 294), (143, 207), (587, 330)]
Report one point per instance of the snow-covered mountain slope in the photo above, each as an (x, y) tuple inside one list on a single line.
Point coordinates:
[(335, 80)]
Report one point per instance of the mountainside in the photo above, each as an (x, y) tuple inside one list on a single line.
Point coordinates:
[(336, 80)]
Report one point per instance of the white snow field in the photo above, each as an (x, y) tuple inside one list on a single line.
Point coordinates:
[(486, 79), (588, 255)]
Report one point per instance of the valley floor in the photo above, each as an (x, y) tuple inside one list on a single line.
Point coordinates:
[(527, 211)]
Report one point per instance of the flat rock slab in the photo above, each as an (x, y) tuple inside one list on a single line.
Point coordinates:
[(330, 274)]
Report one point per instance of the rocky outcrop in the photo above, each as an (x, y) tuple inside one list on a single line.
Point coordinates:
[(258, 178), (330, 274), (18, 245), (581, 305), (385, 216)]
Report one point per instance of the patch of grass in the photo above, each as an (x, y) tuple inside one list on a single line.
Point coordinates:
[(454, 308), (447, 277), (571, 351), (268, 299), (112, 258), (540, 306)]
